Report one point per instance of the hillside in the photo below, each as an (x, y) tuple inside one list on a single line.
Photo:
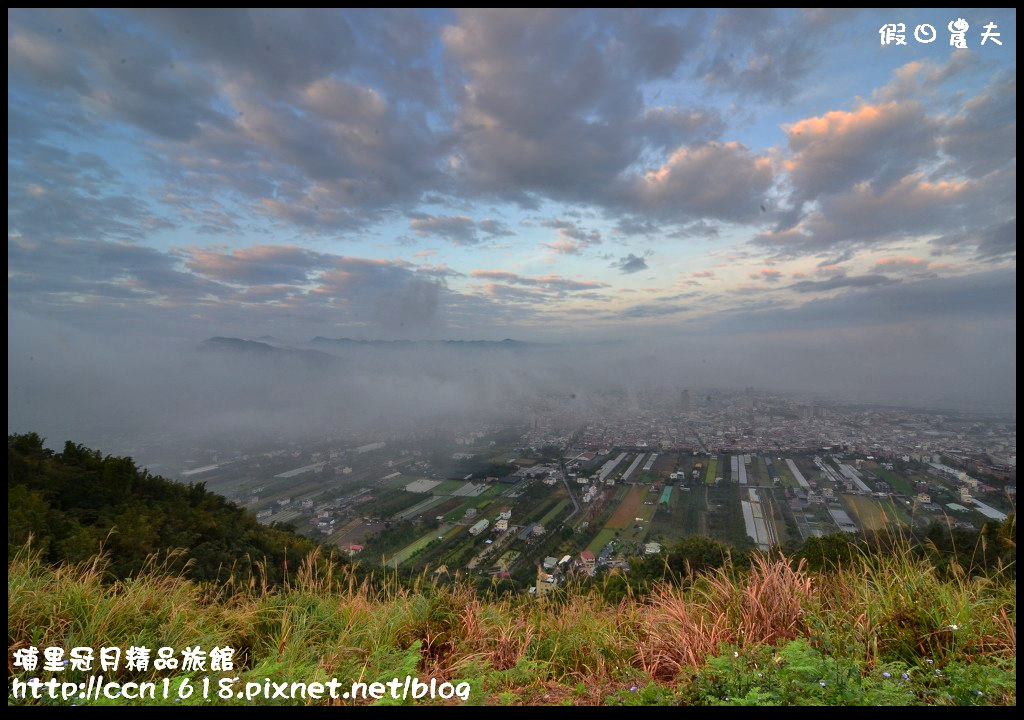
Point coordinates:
[(77, 503)]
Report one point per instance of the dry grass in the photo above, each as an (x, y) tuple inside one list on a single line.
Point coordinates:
[(576, 649)]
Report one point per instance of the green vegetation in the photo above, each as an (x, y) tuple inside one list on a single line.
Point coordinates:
[(77, 503), (712, 470)]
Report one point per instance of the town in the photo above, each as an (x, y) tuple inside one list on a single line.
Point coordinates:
[(535, 501)]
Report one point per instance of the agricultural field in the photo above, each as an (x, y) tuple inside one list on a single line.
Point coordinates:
[(411, 549), (448, 487), (682, 517), (600, 540), (629, 509), (558, 509), (785, 476), (711, 471), (897, 482), (866, 511)]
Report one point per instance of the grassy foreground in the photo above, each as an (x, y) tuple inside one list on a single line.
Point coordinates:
[(887, 630)]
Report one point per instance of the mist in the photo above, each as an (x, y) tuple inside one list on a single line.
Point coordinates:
[(70, 384)]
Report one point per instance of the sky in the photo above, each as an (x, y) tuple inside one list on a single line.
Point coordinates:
[(777, 186)]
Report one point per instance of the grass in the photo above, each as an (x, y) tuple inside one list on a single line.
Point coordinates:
[(712, 469), (554, 512), (605, 536), (867, 511), (886, 629)]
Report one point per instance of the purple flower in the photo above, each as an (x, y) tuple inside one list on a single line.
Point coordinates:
[(885, 674), (822, 683)]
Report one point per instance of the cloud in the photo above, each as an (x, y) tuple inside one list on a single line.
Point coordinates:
[(264, 265), (841, 281), (983, 137), (725, 181), (923, 76), (460, 230), (757, 53), (550, 283), (630, 264), (550, 104), (770, 275), (572, 239), (653, 310), (999, 242), (878, 144), (898, 264)]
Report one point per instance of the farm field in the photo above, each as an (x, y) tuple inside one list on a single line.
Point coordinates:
[(711, 471), (866, 511), (629, 508), (603, 538), (411, 549)]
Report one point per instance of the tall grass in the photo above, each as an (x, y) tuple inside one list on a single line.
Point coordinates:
[(574, 647)]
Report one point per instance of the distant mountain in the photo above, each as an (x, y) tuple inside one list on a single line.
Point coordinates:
[(505, 344), (261, 349)]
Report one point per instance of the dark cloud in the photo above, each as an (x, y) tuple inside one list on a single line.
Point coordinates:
[(999, 242), (550, 283), (983, 137), (653, 310), (962, 299), (494, 228), (460, 230), (550, 101), (630, 264), (572, 239), (759, 53), (842, 281)]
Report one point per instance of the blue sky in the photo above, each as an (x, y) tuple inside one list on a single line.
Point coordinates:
[(535, 174)]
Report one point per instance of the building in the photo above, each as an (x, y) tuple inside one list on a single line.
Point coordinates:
[(479, 527), (588, 560), (501, 525), (652, 548)]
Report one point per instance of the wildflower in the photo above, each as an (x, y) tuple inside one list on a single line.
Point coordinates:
[(759, 675), (928, 660), (938, 672), (905, 676), (885, 674), (633, 689), (822, 683), (735, 654), (980, 692), (954, 627)]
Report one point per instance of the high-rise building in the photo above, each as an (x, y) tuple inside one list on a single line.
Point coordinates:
[(684, 401)]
